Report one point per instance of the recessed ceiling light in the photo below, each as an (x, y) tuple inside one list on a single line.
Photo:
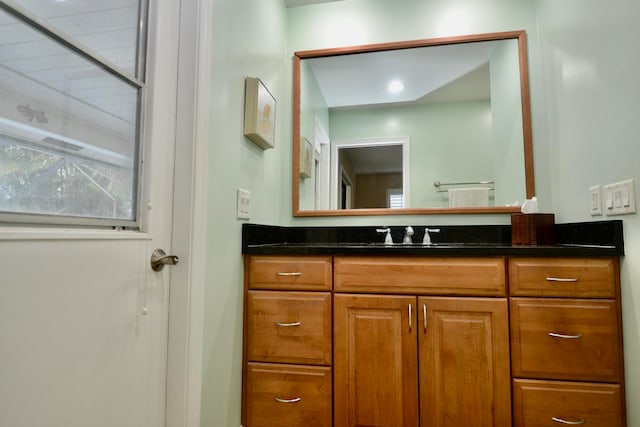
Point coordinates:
[(395, 86)]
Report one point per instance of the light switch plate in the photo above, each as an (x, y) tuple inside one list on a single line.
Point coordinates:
[(244, 202), (595, 200), (620, 198)]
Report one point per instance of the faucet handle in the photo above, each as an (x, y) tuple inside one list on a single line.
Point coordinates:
[(427, 237), (388, 240)]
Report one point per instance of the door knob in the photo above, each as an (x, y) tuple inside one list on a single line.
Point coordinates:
[(159, 259)]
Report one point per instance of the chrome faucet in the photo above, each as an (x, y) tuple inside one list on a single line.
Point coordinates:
[(408, 233), (388, 240), (427, 237)]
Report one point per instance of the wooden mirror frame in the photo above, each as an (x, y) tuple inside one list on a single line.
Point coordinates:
[(526, 122)]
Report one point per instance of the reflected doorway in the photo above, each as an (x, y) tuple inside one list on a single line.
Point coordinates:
[(366, 174)]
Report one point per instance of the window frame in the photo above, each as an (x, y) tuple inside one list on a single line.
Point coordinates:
[(137, 82)]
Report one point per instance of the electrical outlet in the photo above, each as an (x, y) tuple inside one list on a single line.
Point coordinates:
[(244, 202), (595, 196), (620, 198)]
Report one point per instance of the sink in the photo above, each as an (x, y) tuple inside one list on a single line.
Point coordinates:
[(395, 245), (435, 245), (410, 245), (431, 245)]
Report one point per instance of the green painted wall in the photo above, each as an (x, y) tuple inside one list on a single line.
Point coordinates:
[(312, 107), (248, 40), (591, 107), (506, 107), (450, 142)]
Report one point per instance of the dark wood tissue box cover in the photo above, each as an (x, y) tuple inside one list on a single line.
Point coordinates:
[(533, 229)]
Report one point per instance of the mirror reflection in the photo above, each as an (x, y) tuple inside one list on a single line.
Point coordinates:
[(370, 173), (416, 127)]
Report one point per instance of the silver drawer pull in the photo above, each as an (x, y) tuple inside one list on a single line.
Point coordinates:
[(567, 337), (410, 316), (563, 421), (288, 324), (293, 273), (560, 279), (294, 400)]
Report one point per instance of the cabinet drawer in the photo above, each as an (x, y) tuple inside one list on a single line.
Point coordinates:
[(420, 275), (288, 395), (549, 403), (289, 327), (563, 277), (295, 272), (565, 339)]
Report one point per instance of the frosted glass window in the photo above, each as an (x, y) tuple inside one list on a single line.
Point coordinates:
[(108, 28), (69, 129)]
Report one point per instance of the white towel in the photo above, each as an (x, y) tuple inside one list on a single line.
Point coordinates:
[(467, 197)]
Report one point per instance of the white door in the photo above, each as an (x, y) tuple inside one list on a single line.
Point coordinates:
[(84, 320)]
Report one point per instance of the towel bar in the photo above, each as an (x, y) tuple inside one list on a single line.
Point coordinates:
[(438, 183)]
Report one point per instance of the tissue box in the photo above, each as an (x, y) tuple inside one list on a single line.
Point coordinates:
[(533, 229)]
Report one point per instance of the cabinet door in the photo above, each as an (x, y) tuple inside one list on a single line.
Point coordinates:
[(464, 362), (375, 361)]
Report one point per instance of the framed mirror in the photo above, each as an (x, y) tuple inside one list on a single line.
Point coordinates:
[(419, 127)]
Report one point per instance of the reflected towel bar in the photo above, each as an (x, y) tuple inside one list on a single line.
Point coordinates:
[(437, 184)]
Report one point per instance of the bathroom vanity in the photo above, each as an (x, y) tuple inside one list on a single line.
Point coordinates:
[(340, 330)]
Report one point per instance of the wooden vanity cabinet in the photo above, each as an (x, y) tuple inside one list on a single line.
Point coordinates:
[(287, 379), (417, 360), (566, 342), (432, 341)]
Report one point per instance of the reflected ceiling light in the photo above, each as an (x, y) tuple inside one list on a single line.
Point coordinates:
[(395, 86)]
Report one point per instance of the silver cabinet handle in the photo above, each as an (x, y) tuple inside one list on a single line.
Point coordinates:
[(424, 316), (288, 324), (567, 337), (294, 400), (560, 279), (410, 317), (563, 421), (293, 273)]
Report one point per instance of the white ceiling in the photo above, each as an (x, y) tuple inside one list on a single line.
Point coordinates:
[(460, 71), (376, 159)]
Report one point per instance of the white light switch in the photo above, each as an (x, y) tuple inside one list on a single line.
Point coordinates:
[(620, 197), (625, 196), (244, 202), (595, 195), (617, 198)]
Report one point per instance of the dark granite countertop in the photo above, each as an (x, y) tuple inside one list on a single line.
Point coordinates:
[(591, 239)]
